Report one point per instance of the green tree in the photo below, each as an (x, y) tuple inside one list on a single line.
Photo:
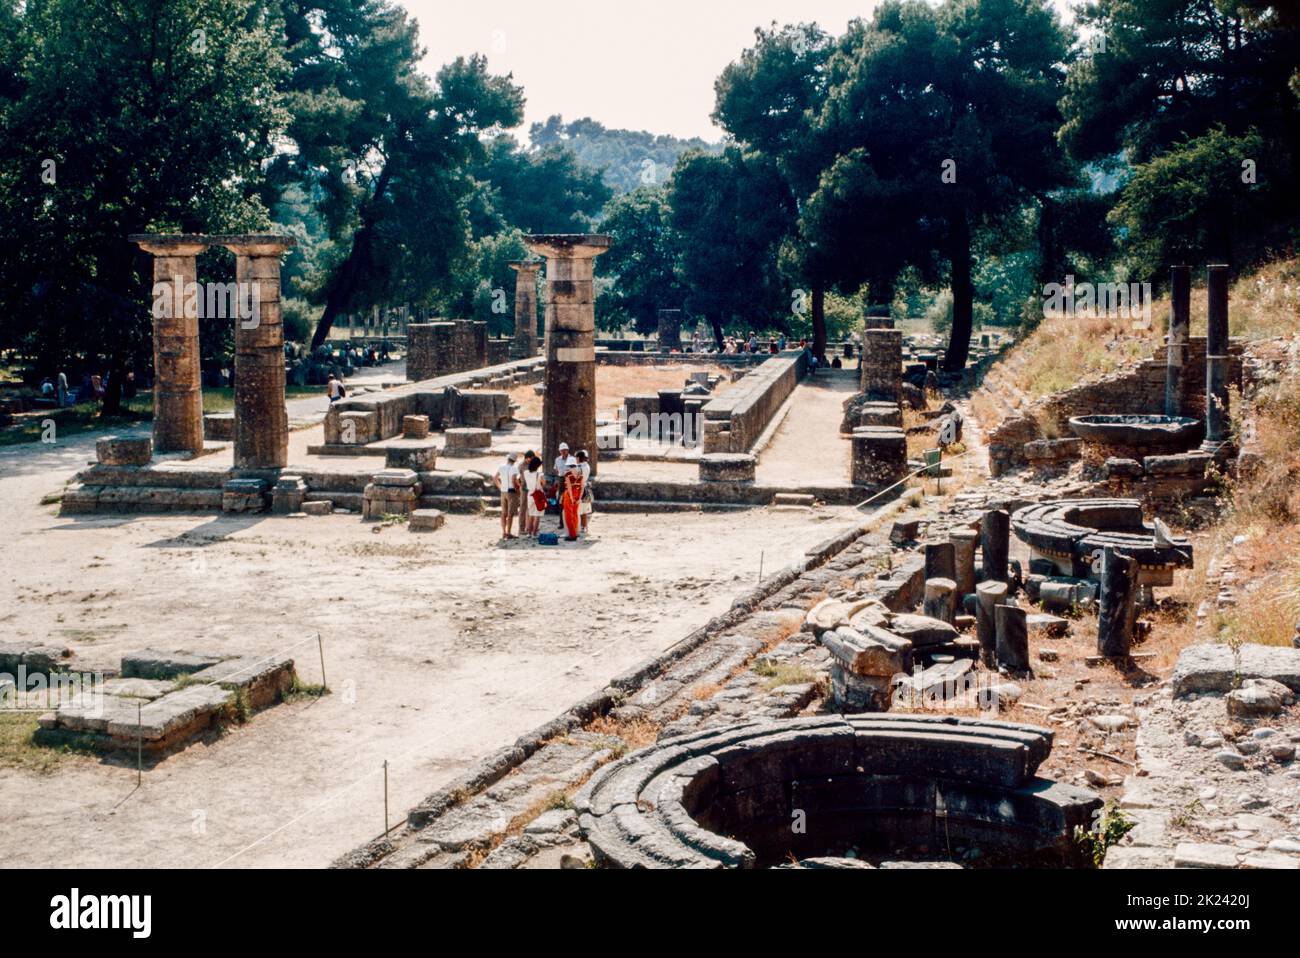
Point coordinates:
[(543, 191), (642, 260), (120, 117), (384, 152), (945, 117), (730, 213)]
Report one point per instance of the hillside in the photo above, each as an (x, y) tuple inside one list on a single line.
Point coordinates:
[(628, 158)]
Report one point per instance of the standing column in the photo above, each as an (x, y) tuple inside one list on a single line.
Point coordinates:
[(569, 401), (995, 544), (1216, 361), (177, 382), (1180, 321), (670, 330), (261, 420), (525, 342), (881, 365)]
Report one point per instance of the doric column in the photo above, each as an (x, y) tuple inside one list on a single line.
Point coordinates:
[(1180, 320), (882, 364), (1216, 361), (261, 420), (177, 383), (569, 402), (525, 342)]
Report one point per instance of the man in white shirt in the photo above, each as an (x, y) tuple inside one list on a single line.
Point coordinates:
[(561, 460), (507, 481)]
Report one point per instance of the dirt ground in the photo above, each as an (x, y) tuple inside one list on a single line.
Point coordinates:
[(613, 383), (439, 649)]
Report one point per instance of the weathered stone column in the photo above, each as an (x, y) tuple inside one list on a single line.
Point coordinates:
[(995, 544), (964, 542), (1180, 320), (177, 382), (882, 364), (525, 341), (670, 330), (941, 561), (569, 402), (261, 420), (1216, 361), (989, 595), (1117, 611), (1012, 624)]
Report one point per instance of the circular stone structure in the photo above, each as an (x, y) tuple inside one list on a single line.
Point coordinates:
[(1073, 533), (1136, 433), (896, 787)]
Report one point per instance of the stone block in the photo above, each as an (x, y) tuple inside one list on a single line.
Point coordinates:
[(1215, 668), (219, 427), (118, 451), (728, 467), (175, 715), (415, 427), (318, 508), (1186, 464), (427, 520), (153, 664), (1123, 469), (468, 443), (414, 455)]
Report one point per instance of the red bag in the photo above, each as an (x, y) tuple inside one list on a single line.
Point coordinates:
[(539, 500)]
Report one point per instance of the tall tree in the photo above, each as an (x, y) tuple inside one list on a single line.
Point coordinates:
[(385, 151), (120, 117), (947, 115), (542, 191), (768, 100), (642, 259), (730, 213)]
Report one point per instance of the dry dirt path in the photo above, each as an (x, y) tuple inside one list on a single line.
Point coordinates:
[(439, 650), (807, 447)]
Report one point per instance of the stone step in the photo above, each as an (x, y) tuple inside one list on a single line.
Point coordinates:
[(793, 499)]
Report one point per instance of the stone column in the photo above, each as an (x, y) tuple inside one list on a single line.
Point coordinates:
[(177, 382), (261, 420), (525, 341), (569, 402), (1216, 361), (1180, 320), (941, 561), (882, 364), (670, 330), (964, 542), (421, 353), (1012, 625), (989, 595), (1117, 610), (995, 544)]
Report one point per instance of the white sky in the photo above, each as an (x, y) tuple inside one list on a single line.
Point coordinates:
[(631, 64)]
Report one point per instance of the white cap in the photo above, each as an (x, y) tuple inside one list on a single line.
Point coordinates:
[(564, 447), (571, 463)]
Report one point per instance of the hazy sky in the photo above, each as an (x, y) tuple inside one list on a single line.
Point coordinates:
[(633, 64)]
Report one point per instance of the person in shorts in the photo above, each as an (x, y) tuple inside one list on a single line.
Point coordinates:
[(506, 480)]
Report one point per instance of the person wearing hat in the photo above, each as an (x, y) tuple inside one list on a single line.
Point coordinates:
[(506, 480), (571, 501), (561, 462), (588, 500)]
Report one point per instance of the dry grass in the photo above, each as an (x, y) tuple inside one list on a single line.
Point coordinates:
[(637, 732), (614, 383), (1065, 352), (1264, 303)]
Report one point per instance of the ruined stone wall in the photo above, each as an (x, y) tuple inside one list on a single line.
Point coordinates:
[(443, 349), (733, 423), (1136, 389)]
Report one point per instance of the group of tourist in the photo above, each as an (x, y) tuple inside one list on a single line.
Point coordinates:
[(527, 492), (92, 388)]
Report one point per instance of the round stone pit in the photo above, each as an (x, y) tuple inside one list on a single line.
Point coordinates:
[(886, 787)]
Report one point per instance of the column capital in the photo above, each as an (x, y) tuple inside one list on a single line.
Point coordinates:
[(255, 244), (171, 244), (526, 265), (569, 245)]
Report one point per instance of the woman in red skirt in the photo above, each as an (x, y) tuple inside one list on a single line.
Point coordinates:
[(571, 501)]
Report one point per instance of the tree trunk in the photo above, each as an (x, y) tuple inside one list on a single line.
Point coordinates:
[(716, 322), (819, 321), (963, 295)]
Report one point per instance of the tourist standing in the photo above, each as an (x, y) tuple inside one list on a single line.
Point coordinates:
[(571, 501), (533, 492), (561, 462), (524, 491), (506, 480), (588, 498)]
